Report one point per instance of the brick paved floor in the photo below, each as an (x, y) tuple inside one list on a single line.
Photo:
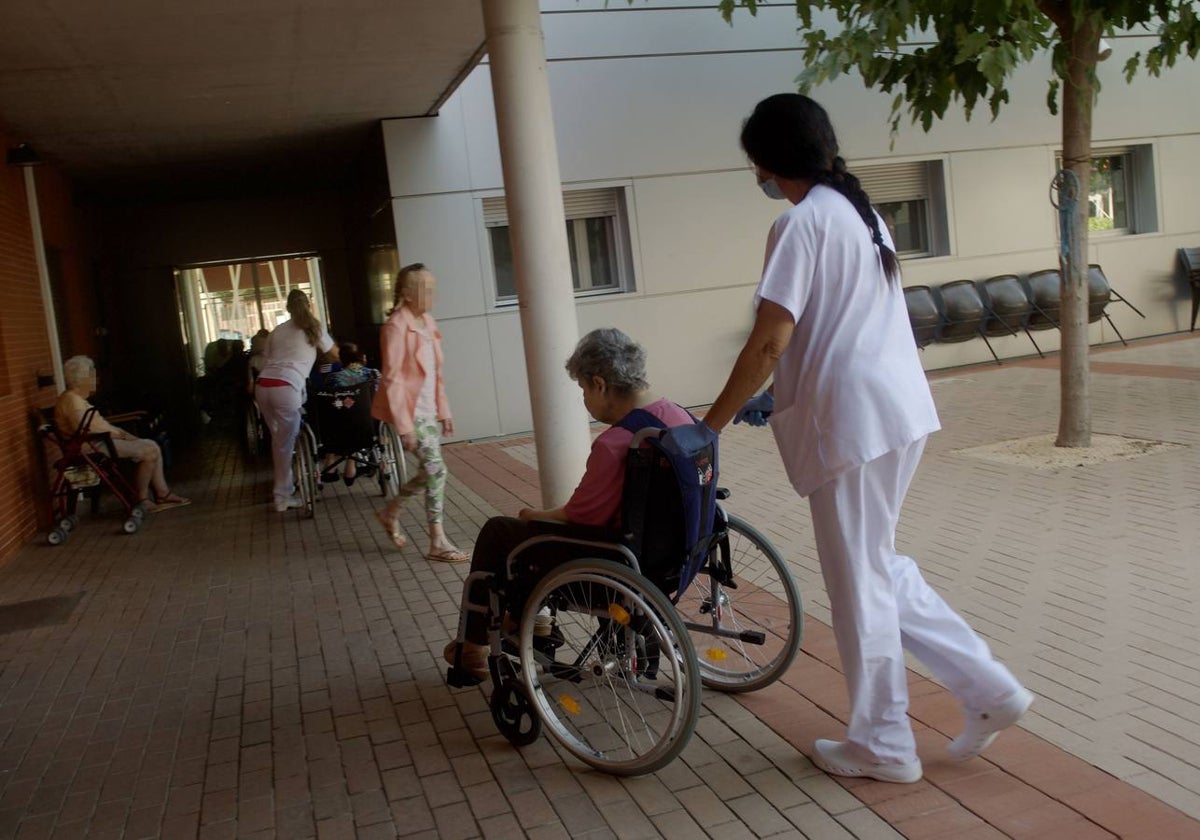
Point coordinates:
[(230, 672)]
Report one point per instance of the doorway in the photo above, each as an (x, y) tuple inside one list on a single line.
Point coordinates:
[(221, 304)]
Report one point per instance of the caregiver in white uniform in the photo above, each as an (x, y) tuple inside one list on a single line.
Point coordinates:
[(279, 390), (851, 410)]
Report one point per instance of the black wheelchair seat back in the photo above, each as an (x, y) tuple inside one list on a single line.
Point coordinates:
[(343, 415), (668, 503), (652, 511)]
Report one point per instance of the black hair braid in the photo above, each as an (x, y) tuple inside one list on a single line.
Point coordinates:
[(840, 179)]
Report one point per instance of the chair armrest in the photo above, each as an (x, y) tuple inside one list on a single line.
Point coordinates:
[(127, 416), (595, 533)]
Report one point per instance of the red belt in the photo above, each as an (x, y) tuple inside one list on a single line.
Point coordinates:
[(267, 382)]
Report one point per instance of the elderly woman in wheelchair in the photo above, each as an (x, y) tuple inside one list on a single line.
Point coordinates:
[(603, 617)]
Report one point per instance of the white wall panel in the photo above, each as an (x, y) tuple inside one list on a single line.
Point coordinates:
[(1179, 159), (470, 384), (1001, 200), (690, 361), (640, 28), (702, 231), (483, 139), (441, 231), (508, 365), (428, 154)]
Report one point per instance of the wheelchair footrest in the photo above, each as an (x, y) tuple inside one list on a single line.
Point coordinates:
[(752, 637)]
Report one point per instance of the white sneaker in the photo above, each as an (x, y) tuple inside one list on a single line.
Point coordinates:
[(836, 757), (984, 725), (283, 503)]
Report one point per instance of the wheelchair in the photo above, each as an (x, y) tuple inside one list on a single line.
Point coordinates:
[(255, 437), (338, 422), (87, 463), (614, 641)]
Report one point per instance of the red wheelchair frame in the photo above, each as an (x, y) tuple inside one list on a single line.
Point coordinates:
[(86, 462)]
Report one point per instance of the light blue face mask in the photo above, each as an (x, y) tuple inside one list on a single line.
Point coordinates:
[(771, 189)]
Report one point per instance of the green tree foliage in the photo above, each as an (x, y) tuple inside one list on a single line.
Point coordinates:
[(931, 53)]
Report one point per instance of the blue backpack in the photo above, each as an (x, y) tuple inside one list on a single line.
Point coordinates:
[(665, 486)]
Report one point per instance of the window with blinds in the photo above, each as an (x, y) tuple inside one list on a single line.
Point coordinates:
[(597, 238), (909, 198)]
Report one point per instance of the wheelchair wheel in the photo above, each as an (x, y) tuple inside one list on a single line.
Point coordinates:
[(57, 537), (252, 430), (616, 682), (304, 469), (743, 611), (514, 715), (391, 461)]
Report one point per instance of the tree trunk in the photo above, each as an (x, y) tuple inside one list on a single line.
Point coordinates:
[(1075, 418)]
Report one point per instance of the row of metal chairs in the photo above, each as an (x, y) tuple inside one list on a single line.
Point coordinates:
[(1000, 306)]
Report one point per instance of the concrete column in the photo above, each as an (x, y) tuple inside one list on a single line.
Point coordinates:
[(533, 193), (39, 255)]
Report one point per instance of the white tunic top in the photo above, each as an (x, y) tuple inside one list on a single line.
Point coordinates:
[(289, 355), (849, 387), (426, 407)]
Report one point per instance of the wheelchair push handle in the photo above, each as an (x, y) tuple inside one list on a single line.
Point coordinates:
[(643, 435)]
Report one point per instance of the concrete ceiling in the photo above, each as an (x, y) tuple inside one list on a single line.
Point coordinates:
[(132, 97)]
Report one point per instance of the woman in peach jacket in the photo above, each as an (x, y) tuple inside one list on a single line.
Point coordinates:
[(412, 398)]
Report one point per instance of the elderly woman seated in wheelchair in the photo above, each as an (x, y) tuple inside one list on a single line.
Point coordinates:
[(73, 411), (603, 617)]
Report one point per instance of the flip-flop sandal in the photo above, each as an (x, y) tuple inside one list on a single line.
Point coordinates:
[(393, 529), (171, 500), (448, 555)]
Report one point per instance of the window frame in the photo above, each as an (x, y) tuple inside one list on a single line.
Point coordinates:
[(1141, 187), (904, 180), (492, 213)]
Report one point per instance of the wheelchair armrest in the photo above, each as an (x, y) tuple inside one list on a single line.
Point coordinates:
[(595, 533), (127, 416)]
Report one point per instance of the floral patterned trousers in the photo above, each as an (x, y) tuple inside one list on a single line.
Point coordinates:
[(432, 471)]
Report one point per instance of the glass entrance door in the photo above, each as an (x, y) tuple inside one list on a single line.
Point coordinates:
[(223, 304)]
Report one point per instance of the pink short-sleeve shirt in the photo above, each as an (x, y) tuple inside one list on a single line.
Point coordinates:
[(597, 499)]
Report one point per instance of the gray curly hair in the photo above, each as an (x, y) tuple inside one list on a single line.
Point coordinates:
[(613, 356), (76, 369)]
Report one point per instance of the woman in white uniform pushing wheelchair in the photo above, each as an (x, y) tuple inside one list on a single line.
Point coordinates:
[(851, 410)]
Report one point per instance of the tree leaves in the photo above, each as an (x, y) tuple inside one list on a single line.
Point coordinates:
[(931, 53)]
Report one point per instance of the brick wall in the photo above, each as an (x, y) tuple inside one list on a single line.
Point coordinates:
[(24, 345)]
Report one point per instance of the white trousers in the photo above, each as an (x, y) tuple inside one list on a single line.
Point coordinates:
[(881, 605), (280, 407)]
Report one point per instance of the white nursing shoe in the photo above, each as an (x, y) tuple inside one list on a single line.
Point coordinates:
[(984, 725), (836, 757)]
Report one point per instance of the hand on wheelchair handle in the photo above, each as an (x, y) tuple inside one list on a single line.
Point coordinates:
[(756, 410), (688, 440)]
